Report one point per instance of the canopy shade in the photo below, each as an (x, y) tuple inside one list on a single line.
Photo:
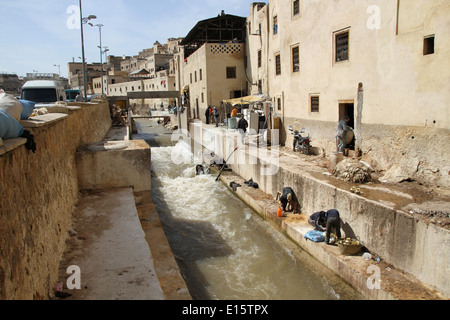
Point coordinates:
[(254, 99)]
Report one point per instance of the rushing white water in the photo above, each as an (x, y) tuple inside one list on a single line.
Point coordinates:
[(222, 247)]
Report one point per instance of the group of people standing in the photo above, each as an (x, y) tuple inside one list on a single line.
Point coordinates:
[(212, 115)]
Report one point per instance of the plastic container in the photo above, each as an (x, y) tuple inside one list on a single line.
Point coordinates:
[(279, 212)]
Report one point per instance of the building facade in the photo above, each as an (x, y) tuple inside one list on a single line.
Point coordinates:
[(383, 63)]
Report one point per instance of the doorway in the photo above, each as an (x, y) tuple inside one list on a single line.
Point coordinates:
[(198, 109), (347, 108)]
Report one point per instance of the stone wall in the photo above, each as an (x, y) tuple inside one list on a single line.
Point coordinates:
[(403, 240), (39, 192), (399, 153)]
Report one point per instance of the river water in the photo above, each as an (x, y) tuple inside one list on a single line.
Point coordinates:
[(224, 250)]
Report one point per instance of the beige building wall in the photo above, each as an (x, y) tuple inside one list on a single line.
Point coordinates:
[(401, 84), (205, 73), (405, 99), (257, 49)]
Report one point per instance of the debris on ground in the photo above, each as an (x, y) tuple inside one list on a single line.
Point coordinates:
[(119, 116), (352, 170)]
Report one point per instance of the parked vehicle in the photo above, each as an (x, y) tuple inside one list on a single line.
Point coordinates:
[(302, 144), (91, 97), (45, 93), (71, 94)]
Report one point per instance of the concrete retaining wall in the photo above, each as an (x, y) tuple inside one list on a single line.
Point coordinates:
[(38, 195), (404, 241), (114, 164)]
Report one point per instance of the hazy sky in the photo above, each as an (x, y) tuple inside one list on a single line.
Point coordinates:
[(38, 34)]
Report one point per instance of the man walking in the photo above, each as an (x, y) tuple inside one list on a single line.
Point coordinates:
[(242, 127)]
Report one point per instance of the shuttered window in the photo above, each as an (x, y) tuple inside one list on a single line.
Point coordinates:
[(342, 47), (315, 103), (296, 7), (277, 64), (295, 59), (231, 72)]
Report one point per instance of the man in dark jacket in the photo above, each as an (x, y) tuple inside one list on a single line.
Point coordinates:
[(333, 222), (242, 127), (318, 220), (288, 197)]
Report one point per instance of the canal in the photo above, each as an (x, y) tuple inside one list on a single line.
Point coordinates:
[(225, 251)]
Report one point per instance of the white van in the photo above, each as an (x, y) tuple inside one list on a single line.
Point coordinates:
[(44, 92)]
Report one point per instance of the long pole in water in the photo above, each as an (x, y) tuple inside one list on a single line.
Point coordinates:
[(223, 166)]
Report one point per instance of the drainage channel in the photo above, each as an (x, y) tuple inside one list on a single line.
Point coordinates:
[(224, 250)]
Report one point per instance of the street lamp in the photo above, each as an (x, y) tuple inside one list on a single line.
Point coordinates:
[(83, 21), (59, 69), (106, 61), (101, 52)]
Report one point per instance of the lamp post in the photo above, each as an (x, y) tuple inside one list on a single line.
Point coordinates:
[(106, 61), (59, 69), (101, 52), (83, 21)]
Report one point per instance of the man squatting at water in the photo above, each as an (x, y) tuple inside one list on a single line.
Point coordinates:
[(289, 199)]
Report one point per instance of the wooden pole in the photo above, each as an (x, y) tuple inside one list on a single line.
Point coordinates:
[(358, 121)]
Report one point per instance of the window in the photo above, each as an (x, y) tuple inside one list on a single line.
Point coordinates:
[(428, 45), (314, 103), (203, 97), (259, 58), (341, 46), (279, 104), (191, 77), (295, 59), (275, 24), (277, 65), (259, 86), (231, 72), (296, 7), (201, 75), (195, 76)]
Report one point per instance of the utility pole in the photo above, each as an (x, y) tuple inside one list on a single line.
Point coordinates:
[(358, 119), (83, 21)]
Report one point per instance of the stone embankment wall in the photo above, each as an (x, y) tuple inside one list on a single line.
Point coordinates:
[(39, 192), (403, 240), (402, 153)]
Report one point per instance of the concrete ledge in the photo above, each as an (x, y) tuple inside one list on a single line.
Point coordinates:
[(166, 267), (112, 164), (40, 121), (11, 144), (395, 284)]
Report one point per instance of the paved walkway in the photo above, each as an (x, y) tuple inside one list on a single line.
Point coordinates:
[(109, 246)]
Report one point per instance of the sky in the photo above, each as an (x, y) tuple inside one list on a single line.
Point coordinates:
[(44, 35)]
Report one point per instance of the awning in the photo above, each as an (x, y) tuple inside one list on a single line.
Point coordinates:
[(247, 100), (141, 71)]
